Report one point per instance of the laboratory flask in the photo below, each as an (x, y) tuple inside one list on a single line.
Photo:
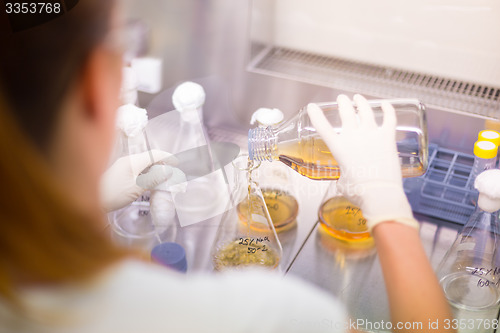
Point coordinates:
[(469, 272), (297, 144), (133, 225), (274, 179), (341, 219), (246, 236), (206, 196)]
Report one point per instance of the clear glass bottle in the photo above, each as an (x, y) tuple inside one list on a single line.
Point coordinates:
[(469, 272), (297, 144), (134, 226), (485, 158), (246, 236)]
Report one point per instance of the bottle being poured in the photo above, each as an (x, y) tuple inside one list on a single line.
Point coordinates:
[(274, 179), (297, 144)]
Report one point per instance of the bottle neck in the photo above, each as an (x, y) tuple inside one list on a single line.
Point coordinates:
[(262, 144)]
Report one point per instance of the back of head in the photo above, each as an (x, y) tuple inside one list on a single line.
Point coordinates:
[(44, 237)]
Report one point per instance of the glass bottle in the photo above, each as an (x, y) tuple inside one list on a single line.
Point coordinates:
[(485, 158), (297, 144), (246, 236), (274, 179), (469, 272), (188, 99)]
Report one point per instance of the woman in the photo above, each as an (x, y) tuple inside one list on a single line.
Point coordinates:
[(59, 83)]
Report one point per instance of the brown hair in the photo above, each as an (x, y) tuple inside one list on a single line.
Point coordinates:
[(38, 64), (44, 238)]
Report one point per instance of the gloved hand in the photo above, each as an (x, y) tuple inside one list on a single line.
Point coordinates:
[(162, 189), (368, 159), (118, 186)]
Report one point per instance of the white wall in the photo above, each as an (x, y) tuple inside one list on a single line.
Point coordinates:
[(452, 38)]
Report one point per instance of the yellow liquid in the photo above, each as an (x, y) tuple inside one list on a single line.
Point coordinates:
[(240, 253), (342, 220), (312, 158), (282, 207)]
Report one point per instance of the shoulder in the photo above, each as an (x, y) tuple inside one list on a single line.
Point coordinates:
[(140, 297), (245, 300)]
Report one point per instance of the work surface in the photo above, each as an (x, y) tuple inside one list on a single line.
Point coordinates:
[(352, 275)]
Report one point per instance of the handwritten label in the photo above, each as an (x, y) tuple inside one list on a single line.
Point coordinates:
[(255, 244)]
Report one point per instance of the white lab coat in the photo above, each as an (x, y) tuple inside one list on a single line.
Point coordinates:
[(139, 297)]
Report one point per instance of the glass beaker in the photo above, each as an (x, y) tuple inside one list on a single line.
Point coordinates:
[(341, 219), (246, 236)]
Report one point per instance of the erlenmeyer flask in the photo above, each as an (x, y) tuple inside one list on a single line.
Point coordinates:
[(470, 271), (341, 219), (246, 236), (274, 179), (205, 197), (134, 226)]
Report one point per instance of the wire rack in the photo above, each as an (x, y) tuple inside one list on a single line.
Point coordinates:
[(445, 190)]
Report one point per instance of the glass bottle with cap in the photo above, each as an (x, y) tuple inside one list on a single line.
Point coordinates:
[(296, 143), (246, 236), (469, 272), (485, 157), (274, 179)]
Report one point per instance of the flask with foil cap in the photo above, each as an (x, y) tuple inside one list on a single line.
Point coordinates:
[(274, 179), (470, 271), (297, 144)]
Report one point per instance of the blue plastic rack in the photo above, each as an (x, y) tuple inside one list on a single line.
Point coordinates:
[(443, 191)]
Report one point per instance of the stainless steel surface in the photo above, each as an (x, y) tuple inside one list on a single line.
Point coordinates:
[(354, 275)]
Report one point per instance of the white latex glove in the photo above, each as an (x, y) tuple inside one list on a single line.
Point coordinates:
[(368, 159), (118, 186), (162, 209), (161, 203)]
